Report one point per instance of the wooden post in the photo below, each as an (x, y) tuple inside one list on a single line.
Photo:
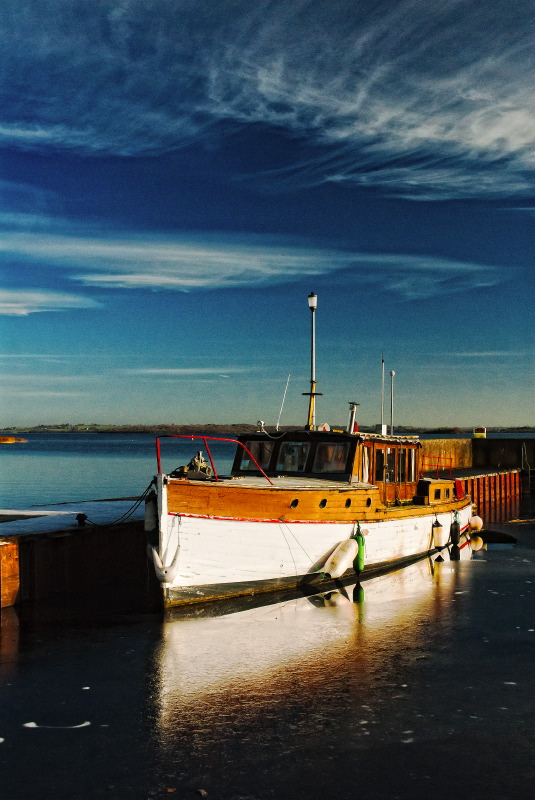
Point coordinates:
[(9, 572)]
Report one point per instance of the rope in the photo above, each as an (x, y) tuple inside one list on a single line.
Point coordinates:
[(282, 522), (127, 514), (289, 549)]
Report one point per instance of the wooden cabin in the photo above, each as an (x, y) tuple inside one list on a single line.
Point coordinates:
[(389, 462)]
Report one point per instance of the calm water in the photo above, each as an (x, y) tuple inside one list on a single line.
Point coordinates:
[(415, 685), (55, 468)]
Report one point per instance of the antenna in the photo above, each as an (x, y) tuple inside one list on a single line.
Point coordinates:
[(282, 404)]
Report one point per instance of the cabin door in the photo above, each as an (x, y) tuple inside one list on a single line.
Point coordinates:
[(391, 477), (380, 470)]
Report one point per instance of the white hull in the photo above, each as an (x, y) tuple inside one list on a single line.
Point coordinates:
[(208, 558)]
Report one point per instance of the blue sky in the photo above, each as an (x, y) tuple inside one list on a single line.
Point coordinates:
[(177, 176)]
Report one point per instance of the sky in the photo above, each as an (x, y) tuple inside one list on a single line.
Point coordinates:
[(176, 176)]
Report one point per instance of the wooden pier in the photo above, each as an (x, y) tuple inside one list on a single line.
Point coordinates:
[(90, 560)]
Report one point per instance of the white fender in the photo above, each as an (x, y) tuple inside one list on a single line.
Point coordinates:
[(439, 537), (165, 574), (476, 523), (341, 559)]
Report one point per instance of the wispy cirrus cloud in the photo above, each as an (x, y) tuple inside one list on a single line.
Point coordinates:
[(170, 372), (487, 354), (21, 302), (194, 262), (38, 393), (107, 259), (423, 100)]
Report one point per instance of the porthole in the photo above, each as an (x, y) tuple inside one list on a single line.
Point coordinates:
[(323, 503), (368, 502), (348, 503), (294, 503)]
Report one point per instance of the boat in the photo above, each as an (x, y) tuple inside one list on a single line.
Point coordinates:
[(480, 433), (299, 508)]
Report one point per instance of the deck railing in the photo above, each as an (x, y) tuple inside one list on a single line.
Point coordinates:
[(205, 439), (430, 463)]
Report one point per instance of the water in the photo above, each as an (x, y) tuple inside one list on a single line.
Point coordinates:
[(415, 685), (54, 468)]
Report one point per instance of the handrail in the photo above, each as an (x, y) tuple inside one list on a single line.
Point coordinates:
[(207, 448), (434, 463)]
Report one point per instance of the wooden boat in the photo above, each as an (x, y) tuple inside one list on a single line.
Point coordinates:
[(299, 508)]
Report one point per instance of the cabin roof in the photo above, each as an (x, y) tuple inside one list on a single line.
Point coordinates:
[(333, 435), (297, 482)]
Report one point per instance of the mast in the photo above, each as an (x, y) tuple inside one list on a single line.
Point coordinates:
[(382, 392), (311, 422), (392, 373)]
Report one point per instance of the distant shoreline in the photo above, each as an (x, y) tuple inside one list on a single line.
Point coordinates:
[(236, 428)]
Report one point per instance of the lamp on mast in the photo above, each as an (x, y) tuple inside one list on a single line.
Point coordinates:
[(392, 373), (311, 422)]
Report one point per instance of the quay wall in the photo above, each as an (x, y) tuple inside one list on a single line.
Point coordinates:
[(499, 454), (503, 453), (493, 489), (87, 562), (446, 452)]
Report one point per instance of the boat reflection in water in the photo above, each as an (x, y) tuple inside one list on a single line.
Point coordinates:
[(217, 668)]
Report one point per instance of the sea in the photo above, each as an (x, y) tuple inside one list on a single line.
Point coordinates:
[(415, 685), (53, 468)]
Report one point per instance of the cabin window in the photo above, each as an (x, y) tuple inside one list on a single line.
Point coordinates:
[(379, 465), (446, 493), (365, 474), (331, 457), (411, 465), (323, 503), (391, 461), (293, 456), (403, 465), (348, 503), (261, 451), (437, 494)]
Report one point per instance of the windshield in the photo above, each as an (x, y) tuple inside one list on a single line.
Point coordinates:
[(331, 457), (261, 451), (293, 456)]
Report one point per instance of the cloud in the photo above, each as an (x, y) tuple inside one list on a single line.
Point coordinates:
[(20, 393), (424, 100), (184, 263), (171, 262), (21, 302), (112, 260), (487, 354), (188, 371), (422, 277)]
